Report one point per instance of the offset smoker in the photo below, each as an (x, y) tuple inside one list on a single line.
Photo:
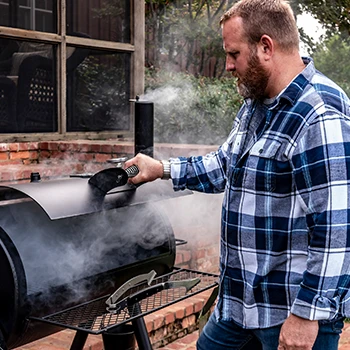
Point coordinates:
[(65, 243), (66, 247)]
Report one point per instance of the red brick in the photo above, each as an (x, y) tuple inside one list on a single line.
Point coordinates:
[(124, 148), (23, 146), (33, 154), (150, 326), (95, 148), (85, 147), (4, 156), (179, 258), (6, 176), (53, 146), (106, 149), (102, 158), (4, 147), (189, 339), (198, 306), (187, 255), (84, 157), (188, 321), (64, 147), (180, 311), (14, 162), (57, 155), (188, 309), (45, 154), (158, 322), (94, 342), (79, 168), (34, 146), (13, 147), (200, 253), (213, 250), (24, 174), (169, 317), (19, 155), (27, 161)]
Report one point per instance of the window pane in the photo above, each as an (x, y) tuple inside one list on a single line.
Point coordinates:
[(24, 2), (29, 14), (98, 91), (41, 4), (100, 19), (4, 18), (43, 21), (27, 87)]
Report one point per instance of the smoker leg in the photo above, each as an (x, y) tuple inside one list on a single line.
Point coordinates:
[(79, 340), (140, 330)]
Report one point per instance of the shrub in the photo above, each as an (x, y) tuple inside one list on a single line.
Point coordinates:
[(332, 59)]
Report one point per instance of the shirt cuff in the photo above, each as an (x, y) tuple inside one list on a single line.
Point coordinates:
[(313, 306)]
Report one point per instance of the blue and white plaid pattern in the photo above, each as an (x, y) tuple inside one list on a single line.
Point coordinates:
[(285, 243)]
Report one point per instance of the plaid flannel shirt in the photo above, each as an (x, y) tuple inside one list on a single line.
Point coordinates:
[(285, 242)]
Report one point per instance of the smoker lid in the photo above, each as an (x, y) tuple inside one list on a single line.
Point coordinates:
[(75, 196)]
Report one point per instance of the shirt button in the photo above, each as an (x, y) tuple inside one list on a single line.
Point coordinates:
[(261, 150)]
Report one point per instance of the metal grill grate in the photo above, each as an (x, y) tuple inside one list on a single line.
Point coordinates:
[(93, 317)]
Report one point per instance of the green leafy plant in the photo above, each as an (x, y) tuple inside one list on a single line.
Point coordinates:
[(332, 59)]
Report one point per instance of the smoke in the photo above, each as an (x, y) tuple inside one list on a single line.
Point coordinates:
[(190, 110), (171, 104), (62, 252)]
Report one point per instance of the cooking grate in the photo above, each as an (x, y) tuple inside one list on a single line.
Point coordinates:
[(93, 317)]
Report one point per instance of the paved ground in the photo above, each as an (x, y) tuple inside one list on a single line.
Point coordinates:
[(186, 343)]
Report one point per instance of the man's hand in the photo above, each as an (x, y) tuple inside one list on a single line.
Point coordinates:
[(149, 168), (298, 334)]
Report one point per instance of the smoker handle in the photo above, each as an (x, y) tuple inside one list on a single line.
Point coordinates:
[(132, 170), (179, 241), (147, 277)]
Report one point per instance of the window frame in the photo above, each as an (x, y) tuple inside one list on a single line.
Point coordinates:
[(136, 48)]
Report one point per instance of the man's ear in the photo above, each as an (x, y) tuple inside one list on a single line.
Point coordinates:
[(267, 46)]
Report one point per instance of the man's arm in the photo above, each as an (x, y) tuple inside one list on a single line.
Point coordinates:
[(321, 164)]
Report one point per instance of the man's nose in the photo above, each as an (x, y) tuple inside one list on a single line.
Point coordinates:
[(230, 66)]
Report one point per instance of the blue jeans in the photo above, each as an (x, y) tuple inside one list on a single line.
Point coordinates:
[(227, 335)]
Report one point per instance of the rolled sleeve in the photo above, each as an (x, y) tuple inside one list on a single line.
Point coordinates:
[(322, 171)]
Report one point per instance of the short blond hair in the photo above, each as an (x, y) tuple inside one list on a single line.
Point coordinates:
[(274, 18)]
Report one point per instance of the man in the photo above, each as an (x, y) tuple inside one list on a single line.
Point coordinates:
[(285, 170)]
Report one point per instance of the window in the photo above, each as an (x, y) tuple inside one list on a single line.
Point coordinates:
[(99, 92), (29, 14), (105, 20), (69, 67)]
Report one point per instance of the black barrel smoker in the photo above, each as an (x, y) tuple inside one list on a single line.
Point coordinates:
[(89, 253)]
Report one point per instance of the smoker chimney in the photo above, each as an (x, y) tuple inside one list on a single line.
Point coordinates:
[(144, 120)]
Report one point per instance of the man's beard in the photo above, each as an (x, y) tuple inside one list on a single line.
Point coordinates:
[(254, 82)]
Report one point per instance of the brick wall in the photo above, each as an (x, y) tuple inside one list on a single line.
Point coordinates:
[(195, 218)]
